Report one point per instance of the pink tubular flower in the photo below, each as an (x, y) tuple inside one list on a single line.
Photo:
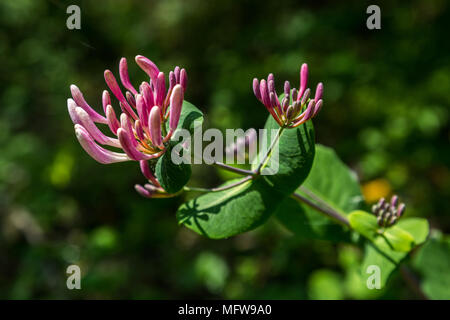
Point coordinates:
[(296, 107), (152, 189), (139, 129)]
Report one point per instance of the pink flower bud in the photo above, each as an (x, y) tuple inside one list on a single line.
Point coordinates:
[(303, 79), (145, 169), (106, 100), (183, 79), (155, 126), (148, 66), (123, 71), (95, 151), (160, 87), (256, 89), (79, 100), (319, 91), (113, 123), (141, 108), (176, 103)]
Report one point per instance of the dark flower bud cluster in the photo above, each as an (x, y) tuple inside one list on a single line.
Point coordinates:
[(388, 213)]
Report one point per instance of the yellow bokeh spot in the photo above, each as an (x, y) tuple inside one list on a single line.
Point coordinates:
[(61, 169), (376, 189)]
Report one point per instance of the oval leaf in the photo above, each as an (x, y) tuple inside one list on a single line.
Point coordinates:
[(172, 177), (336, 184), (292, 158), (226, 213)]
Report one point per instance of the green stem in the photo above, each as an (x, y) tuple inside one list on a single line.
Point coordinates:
[(229, 186), (269, 152), (233, 169), (318, 199), (326, 210)]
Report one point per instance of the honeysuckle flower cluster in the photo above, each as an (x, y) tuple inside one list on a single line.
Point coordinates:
[(388, 213), (296, 107), (139, 130)]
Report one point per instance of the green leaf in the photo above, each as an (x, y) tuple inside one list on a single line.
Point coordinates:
[(190, 117), (226, 213), (395, 237), (306, 223), (172, 177), (364, 223), (335, 183), (384, 256), (432, 262), (292, 159), (399, 239)]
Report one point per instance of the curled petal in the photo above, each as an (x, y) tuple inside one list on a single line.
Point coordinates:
[(155, 127), (79, 100), (106, 100), (94, 132), (303, 79), (123, 71), (128, 147), (148, 66), (145, 169), (113, 123), (71, 106), (176, 103), (95, 151)]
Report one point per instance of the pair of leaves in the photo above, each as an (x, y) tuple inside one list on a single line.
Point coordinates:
[(242, 208), (394, 237), (171, 176), (332, 181), (382, 254)]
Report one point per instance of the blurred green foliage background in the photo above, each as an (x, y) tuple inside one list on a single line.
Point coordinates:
[(386, 114)]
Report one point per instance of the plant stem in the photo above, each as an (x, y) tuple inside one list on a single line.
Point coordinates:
[(325, 210), (233, 169), (412, 282), (272, 145), (319, 200), (229, 186)]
